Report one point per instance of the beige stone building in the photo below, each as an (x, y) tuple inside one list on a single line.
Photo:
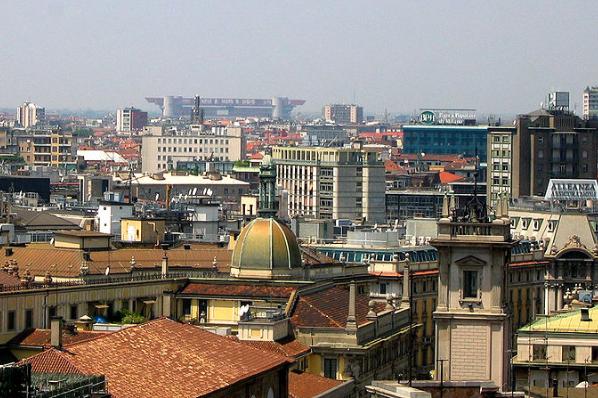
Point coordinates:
[(332, 183), (161, 150), (472, 319)]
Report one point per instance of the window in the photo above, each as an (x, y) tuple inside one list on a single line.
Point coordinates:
[(28, 319), (594, 354), (539, 352), (11, 320), (540, 140), (383, 288), (470, 284), (568, 353), (52, 311), (73, 312), (330, 368), (186, 306)]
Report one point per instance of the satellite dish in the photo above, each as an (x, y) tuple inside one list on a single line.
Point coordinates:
[(194, 191), (210, 192), (205, 191), (107, 272), (157, 196), (190, 191)]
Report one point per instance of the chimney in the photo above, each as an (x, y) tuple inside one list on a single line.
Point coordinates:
[(164, 265), (406, 282), (8, 251), (56, 332), (351, 320), (585, 315)]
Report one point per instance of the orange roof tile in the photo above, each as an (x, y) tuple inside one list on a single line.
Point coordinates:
[(42, 258), (329, 308), (308, 385), (446, 177), (186, 361)]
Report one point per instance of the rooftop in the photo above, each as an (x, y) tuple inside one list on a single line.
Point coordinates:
[(186, 361), (329, 307), (569, 322), (307, 385)]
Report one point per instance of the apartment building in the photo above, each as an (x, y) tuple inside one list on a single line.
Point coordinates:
[(343, 114), (500, 162), (50, 148), (332, 183), (548, 144), (162, 150), (130, 119), (590, 103)]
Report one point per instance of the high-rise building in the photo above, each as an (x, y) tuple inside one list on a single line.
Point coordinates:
[(332, 183), (590, 103), (543, 144), (30, 115), (130, 119), (500, 162), (343, 114), (161, 151), (445, 140)]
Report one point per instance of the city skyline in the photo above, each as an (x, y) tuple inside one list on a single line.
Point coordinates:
[(392, 56)]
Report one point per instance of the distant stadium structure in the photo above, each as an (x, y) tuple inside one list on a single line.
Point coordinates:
[(225, 108)]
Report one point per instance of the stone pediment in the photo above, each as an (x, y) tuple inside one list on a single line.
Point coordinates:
[(470, 261)]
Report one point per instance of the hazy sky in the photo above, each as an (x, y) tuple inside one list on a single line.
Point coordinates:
[(500, 56)]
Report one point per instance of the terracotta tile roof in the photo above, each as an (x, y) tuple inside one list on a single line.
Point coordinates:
[(40, 258), (308, 385), (185, 360), (53, 361), (288, 347), (41, 337), (8, 280), (446, 177), (329, 308), (238, 290)]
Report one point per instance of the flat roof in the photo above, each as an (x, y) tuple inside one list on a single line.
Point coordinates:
[(84, 234), (169, 179)]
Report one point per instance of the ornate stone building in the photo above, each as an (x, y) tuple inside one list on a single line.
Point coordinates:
[(472, 317)]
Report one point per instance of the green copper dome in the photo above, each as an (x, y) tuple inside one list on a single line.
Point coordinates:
[(266, 244)]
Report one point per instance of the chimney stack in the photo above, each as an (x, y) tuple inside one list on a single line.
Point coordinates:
[(351, 320), (585, 315), (56, 332), (164, 265)]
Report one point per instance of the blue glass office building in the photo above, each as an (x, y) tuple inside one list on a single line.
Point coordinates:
[(445, 139)]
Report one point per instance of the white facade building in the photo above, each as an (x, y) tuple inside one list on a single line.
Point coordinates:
[(110, 214), (162, 152), (332, 183)]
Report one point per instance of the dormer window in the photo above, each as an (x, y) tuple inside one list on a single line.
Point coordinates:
[(525, 223)]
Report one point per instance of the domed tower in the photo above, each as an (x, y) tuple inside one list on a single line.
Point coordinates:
[(266, 247)]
